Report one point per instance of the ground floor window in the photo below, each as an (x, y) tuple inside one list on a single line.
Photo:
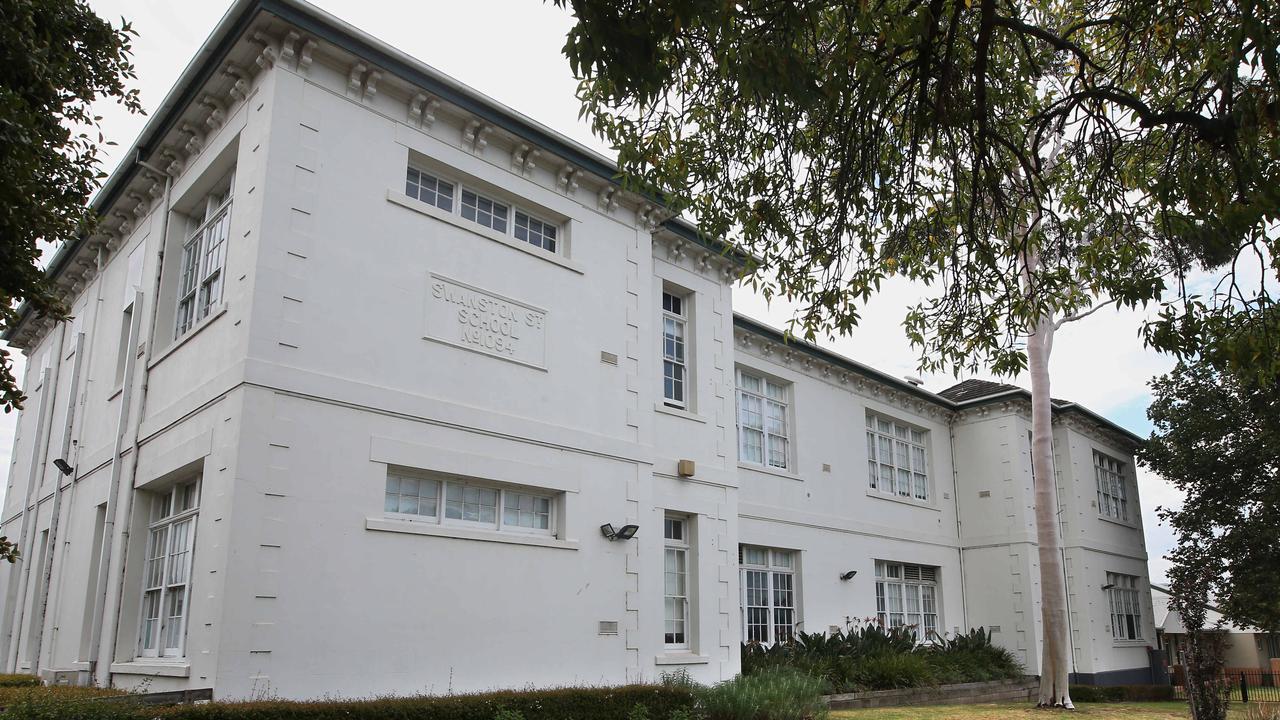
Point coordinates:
[(768, 594), (1126, 613), (675, 582), (907, 596), (463, 502), (166, 571)]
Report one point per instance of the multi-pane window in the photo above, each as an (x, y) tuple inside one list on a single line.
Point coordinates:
[(463, 503), (675, 582), (1126, 612), (762, 421), (499, 216), (201, 275), (484, 211), (768, 594), (907, 596), (429, 189), (896, 458), (535, 232), (1112, 500), (674, 369), (166, 572)]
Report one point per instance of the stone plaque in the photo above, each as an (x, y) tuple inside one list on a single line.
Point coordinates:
[(474, 319)]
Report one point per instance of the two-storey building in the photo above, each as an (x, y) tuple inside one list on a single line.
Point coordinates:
[(374, 385)]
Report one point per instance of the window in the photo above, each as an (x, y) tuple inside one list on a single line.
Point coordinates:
[(768, 594), (675, 582), (466, 503), (896, 458), (201, 276), (762, 421), (907, 596), (166, 571), (535, 232), (674, 370), (1126, 613), (1112, 501), (481, 209), (429, 189)]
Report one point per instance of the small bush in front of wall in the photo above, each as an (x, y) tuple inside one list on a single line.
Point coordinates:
[(19, 680), (776, 694), (891, 671)]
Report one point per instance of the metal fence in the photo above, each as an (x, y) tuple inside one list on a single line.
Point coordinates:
[(1246, 685)]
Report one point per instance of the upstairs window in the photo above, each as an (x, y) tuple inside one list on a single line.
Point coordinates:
[(907, 596), (201, 276), (1112, 499), (674, 368), (429, 189), (484, 211), (1126, 608), (535, 232), (762, 421), (896, 458)]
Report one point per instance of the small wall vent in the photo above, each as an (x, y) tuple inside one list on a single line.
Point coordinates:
[(608, 627), (984, 493), (608, 358)]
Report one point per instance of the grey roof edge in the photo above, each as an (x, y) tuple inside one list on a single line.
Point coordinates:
[(759, 328), (241, 14)]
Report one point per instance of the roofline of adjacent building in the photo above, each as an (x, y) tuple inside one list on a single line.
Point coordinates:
[(325, 26), (759, 328)]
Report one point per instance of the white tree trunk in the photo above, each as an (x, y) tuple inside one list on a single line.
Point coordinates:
[(1055, 661)]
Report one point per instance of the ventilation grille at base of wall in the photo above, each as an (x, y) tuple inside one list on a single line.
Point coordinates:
[(608, 627)]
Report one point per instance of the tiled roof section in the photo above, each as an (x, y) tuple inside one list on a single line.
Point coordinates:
[(974, 389)]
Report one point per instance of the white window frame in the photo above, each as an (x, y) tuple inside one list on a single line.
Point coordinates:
[(675, 349), (910, 585), (677, 583), (442, 486), (904, 442), (781, 593), (1113, 494), (514, 210), (202, 266), (173, 572), (1125, 603), (771, 405)]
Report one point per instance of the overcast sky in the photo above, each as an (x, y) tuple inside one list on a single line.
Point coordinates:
[(510, 50)]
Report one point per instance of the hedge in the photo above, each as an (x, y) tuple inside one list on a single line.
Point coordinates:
[(19, 680), (606, 703), (1121, 693)]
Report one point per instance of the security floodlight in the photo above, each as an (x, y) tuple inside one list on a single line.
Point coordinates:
[(63, 467), (1108, 586), (626, 532), (848, 575)]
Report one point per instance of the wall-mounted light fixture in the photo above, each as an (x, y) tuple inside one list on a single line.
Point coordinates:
[(848, 575), (1108, 586), (64, 467), (626, 532)]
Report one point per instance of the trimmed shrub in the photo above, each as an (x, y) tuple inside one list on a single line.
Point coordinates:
[(1121, 693), (51, 694), (771, 695), (67, 706), (658, 701), (891, 671), (19, 680)]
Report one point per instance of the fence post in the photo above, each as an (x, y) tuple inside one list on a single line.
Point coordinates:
[(1244, 688)]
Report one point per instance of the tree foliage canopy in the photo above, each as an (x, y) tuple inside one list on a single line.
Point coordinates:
[(845, 142), (56, 58), (1217, 438)]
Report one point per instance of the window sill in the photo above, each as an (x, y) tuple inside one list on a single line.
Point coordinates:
[(681, 658), (431, 211), (922, 504), (786, 474), (411, 527), (1121, 523), (1129, 643), (204, 322), (677, 412), (159, 668)]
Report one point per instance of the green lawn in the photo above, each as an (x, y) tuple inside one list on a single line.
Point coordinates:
[(1027, 711)]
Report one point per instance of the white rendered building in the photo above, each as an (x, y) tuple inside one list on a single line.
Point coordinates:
[(361, 361)]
